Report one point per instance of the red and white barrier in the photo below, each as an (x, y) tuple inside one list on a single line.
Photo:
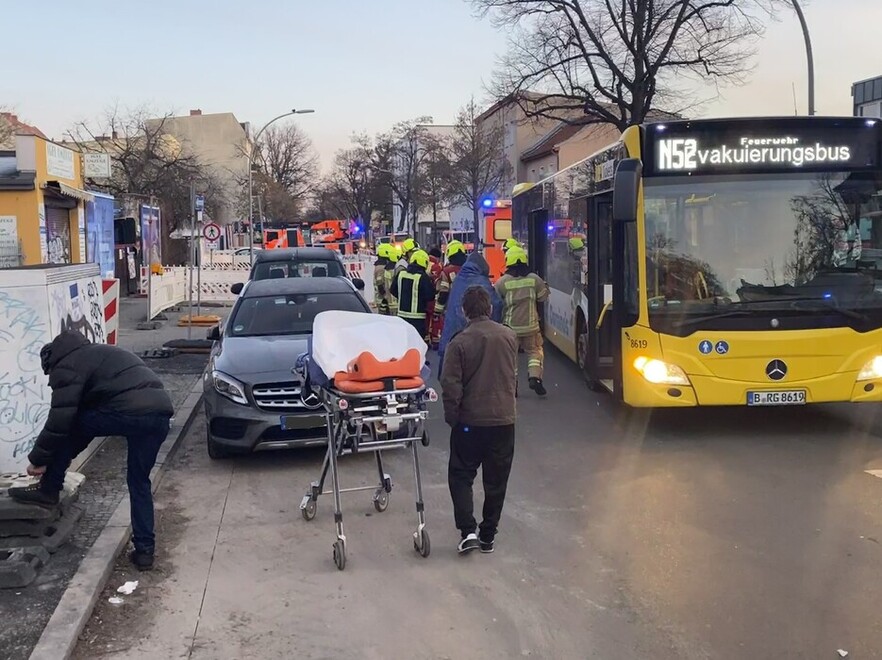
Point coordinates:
[(111, 310)]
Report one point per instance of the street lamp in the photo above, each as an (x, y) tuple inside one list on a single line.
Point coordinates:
[(809, 57), (251, 166)]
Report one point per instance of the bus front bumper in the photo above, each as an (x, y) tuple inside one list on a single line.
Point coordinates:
[(714, 391)]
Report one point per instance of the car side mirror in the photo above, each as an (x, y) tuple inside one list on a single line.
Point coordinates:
[(236, 289), (214, 334), (359, 283), (626, 190)]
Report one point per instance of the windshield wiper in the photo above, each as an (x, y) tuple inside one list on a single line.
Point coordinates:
[(827, 303), (695, 320)]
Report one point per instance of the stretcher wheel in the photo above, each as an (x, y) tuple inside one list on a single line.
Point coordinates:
[(421, 543), (339, 554), (381, 500), (307, 510), (425, 439)]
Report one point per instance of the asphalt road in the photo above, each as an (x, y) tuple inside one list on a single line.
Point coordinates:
[(682, 534)]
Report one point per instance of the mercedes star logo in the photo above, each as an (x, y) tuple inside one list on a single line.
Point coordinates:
[(310, 399), (776, 370)]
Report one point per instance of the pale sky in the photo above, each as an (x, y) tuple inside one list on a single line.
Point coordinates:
[(361, 64)]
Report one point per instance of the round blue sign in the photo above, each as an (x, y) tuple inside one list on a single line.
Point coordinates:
[(722, 347), (705, 347)]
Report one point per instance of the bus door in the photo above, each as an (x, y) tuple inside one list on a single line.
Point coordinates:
[(538, 242), (601, 364)]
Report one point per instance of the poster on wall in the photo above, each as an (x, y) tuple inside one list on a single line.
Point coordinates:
[(44, 237), (10, 251), (81, 227), (78, 306), (99, 234), (151, 236)]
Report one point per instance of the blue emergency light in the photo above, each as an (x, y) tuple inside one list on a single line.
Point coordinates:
[(487, 202)]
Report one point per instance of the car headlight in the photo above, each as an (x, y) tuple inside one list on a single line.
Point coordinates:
[(872, 369), (660, 373), (229, 387)]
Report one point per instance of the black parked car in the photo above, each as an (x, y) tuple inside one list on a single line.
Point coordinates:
[(306, 262)]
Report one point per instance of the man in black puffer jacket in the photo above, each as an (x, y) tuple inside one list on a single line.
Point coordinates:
[(100, 390)]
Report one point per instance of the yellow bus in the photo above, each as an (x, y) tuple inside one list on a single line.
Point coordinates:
[(717, 262)]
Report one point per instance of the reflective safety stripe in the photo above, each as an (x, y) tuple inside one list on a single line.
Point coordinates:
[(409, 311)]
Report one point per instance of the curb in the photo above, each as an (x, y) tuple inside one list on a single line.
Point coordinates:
[(61, 633)]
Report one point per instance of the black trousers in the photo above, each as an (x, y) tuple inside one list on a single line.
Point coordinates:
[(492, 449), (419, 324)]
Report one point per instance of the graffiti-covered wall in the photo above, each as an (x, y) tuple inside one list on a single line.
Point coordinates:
[(35, 306)]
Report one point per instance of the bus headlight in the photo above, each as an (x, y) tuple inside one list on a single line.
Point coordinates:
[(660, 373), (872, 369)]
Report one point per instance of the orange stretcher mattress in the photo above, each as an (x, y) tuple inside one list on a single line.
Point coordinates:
[(367, 374)]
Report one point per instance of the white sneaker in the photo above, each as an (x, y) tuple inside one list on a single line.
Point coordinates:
[(468, 544)]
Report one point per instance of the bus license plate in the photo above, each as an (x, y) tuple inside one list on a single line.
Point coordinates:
[(778, 398)]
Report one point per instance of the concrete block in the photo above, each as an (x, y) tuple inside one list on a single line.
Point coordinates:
[(10, 510), (50, 537), (18, 567)]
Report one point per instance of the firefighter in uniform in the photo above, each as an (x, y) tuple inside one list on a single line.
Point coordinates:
[(435, 268), (521, 292), (414, 290), (456, 257), (389, 277), (381, 290), (408, 247)]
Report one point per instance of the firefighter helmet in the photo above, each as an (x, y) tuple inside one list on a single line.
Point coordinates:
[(409, 245), (455, 247), (510, 243), (576, 243), (515, 255), (420, 258), (384, 251)]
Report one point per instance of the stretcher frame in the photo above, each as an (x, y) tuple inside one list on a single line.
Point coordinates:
[(371, 422)]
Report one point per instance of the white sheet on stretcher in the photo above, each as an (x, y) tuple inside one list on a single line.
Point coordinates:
[(340, 337)]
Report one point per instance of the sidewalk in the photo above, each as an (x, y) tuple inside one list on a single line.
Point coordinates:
[(26, 611)]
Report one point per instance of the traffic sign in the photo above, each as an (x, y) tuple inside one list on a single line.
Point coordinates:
[(200, 202), (211, 232)]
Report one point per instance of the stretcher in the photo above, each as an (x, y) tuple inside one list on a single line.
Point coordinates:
[(369, 373)]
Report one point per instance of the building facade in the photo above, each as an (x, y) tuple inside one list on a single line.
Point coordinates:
[(221, 142), (867, 97), (42, 204)]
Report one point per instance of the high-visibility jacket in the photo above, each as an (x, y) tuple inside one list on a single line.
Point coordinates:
[(389, 279), (381, 291), (414, 291), (520, 296), (445, 282)]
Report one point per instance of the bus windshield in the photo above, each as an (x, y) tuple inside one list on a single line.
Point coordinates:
[(752, 248)]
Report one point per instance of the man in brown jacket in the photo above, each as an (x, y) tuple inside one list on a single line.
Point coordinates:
[(478, 381)]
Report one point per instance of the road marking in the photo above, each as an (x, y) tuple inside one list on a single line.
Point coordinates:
[(874, 473)]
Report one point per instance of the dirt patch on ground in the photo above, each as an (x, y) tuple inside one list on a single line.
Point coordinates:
[(115, 628)]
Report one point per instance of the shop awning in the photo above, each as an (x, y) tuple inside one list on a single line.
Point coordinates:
[(68, 191)]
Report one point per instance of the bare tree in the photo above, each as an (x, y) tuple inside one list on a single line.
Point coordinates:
[(436, 177), (148, 162), (400, 156), (6, 129), (355, 188), (477, 165), (285, 155), (600, 61)]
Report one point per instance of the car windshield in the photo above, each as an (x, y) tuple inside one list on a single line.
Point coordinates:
[(301, 268), (739, 246), (291, 314)]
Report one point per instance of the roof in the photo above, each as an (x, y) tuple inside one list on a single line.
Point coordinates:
[(292, 285), (19, 127), (546, 144), (290, 254)]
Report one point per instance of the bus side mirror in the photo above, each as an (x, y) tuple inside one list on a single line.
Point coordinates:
[(625, 189)]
